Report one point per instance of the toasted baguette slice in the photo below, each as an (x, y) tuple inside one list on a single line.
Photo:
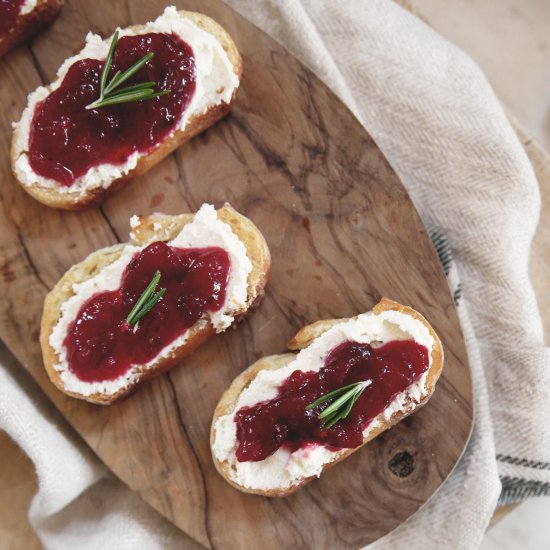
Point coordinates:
[(304, 338), (148, 229), (79, 195), (28, 24)]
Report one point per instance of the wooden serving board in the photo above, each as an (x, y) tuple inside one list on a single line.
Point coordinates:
[(342, 232)]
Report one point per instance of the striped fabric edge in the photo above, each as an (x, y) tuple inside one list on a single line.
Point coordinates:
[(516, 489), (517, 461), (442, 247)]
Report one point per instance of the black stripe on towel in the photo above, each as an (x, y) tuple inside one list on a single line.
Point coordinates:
[(443, 248), (457, 294), (516, 461), (515, 489)]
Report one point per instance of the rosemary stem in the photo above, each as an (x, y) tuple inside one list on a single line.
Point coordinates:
[(143, 298), (108, 93), (344, 400)]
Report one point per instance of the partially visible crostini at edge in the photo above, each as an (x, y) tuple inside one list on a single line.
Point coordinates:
[(19, 21), (71, 148)]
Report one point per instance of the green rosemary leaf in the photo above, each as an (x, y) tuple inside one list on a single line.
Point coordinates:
[(328, 423), (337, 404), (150, 84), (160, 94), (344, 400), (113, 80), (108, 93), (124, 98), (347, 410), (108, 63), (328, 396), (147, 293), (149, 305), (119, 79)]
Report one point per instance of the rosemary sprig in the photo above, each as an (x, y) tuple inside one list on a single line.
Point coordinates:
[(147, 300), (135, 92), (344, 399)]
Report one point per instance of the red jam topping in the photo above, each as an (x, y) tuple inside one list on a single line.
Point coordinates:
[(284, 421), (66, 139), (9, 10), (102, 346)]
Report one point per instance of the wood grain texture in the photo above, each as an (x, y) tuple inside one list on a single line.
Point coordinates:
[(342, 232)]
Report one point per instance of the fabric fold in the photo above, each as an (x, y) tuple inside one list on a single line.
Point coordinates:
[(432, 112)]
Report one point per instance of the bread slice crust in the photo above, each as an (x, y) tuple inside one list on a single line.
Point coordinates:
[(303, 339), (30, 23), (82, 199), (150, 229)]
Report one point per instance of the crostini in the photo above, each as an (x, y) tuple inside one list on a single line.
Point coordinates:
[(287, 418), (20, 19), (131, 311), (123, 104)]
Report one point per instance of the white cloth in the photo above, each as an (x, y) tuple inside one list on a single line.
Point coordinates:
[(438, 122)]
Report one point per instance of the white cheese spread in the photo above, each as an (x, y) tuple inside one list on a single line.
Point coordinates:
[(205, 230), (28, 6), (215, 83), (284, 469)]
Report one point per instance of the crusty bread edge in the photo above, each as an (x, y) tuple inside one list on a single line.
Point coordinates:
[(168, 228), (303, 338), (30, 23), (79, 200)]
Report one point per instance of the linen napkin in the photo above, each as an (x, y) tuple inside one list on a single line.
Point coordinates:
[(437, 120)]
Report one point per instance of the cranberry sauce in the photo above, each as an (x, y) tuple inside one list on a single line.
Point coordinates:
[(101, 346), (9, 10), (266, 426), (66, 139)]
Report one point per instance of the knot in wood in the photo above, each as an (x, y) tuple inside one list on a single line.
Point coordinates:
[(401, 464)]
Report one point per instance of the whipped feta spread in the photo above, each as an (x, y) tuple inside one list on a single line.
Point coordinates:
[(204, 231), (284, 469), (28, 6), (216, 82)]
